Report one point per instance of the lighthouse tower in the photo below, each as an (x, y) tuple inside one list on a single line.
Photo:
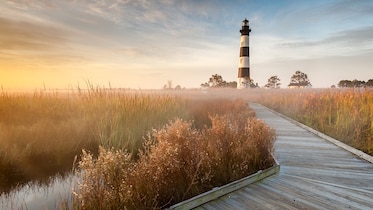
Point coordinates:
[(243, 80)]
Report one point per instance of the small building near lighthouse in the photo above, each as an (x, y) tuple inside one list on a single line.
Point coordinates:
[(244, 79)]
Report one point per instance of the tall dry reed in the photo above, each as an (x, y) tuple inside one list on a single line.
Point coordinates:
[(42, 132)]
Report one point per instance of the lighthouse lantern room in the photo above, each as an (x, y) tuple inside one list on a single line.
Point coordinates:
[(244, 80)]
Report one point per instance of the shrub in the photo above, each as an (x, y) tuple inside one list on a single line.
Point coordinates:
[(104, 180)]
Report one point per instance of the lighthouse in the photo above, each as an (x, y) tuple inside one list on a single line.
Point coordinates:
[(243, 80)]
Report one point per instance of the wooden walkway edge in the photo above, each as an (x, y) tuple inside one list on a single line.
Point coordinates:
[(225, 189), (315, 173), (354, 151)]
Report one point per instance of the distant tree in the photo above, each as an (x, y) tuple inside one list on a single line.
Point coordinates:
[(253, 84), (369, 83), (351, 84), (205, 85), (299, 79), (232, 84), (344, 83), (357, 83), (273, 82), (168, 85), (217, 81)]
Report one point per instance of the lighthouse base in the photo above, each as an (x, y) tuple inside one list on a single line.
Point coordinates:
[(243, 82)]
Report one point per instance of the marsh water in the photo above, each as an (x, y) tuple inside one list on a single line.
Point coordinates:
[(35, 195)]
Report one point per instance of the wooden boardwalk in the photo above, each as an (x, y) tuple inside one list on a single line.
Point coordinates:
[(314, 174)]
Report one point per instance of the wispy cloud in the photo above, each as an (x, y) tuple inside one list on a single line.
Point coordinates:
[(31, 4), (360, 36), (20, 35), (348, 42), (30, 44), (294, 19)]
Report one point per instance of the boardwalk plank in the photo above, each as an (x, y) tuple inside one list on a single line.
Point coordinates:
[(315, 174)]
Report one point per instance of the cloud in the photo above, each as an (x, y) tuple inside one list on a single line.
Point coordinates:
[(27, 4), (159, 24), (134, 52), (360, 36), (21, 35), (41, 61), (151, 16), (348, 42), (348, 9), (31, 45), (309, 19), (309, 30)]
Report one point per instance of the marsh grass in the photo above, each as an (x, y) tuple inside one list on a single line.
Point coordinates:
[(345, 114), (129, 117), (177, 162), (140, 149), (199, 109), (42, 132)]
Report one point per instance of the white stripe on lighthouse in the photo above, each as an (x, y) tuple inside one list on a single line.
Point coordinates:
[(244, 41), (244, 62)]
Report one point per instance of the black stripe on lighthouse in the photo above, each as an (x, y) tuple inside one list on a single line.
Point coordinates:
[(244, 72), (244, 51)]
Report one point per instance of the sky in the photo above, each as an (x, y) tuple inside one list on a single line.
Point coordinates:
[(143, 44)]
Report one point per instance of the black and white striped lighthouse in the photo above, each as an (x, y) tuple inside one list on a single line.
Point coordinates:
[(243, 80)]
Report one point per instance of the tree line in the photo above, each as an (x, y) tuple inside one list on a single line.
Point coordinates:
[(355, 83), (298, 79), (217, 81)]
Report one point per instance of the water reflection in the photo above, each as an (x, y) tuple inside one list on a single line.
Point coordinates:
[(34, 196)]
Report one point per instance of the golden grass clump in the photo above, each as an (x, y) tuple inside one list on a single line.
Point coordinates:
[(170, 168), (180, 161), (104, 180), (238, 148)]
